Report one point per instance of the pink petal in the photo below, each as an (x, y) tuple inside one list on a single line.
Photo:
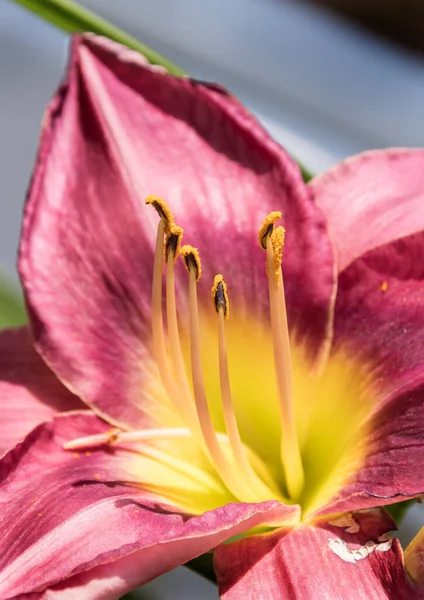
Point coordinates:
[(117, 131), (371, 199), (392, 468), (384, 325), (301, 564), (64, 514), (29, 392), (379, 311), (414, 560)]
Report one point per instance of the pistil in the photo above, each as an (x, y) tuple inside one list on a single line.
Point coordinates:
[(272, 240)]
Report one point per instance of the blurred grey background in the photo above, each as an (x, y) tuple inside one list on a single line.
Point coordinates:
[(324, 87)]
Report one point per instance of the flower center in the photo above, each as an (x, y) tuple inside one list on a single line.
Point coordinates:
[(241, 469), (228, 454)]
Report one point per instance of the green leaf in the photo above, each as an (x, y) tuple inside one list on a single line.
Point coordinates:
[(306, 174), (12, 309), (203, 565), (399, 510), (74, 18)]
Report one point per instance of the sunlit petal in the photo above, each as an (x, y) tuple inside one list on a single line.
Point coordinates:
[(414, 560), (391, 470), (324, 561), (81, 510), (371, 199), (117, 131), (29, 391)]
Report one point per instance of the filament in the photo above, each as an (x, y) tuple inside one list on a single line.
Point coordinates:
[(115, 435), (224, 468), (159, 347), (229, 416), (175, 349), (290, 451), (239, 468)]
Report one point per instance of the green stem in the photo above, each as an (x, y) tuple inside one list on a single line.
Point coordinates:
[(74, 18)]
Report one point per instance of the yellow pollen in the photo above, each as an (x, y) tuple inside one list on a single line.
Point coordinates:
[(277, 241), (173, 241), (113, 435), (267, 227), (192, 260), (162, 209), (220, 295), (384, 286)]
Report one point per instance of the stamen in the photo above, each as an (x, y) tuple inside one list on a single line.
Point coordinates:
[(290, 451), (114, 436), (162, 209), (222, 306), (172, 253), (149, 451), (267, 227), (277, 240), (192, 260), (173, 241), (159, 347), (224, 468), (220, 296)]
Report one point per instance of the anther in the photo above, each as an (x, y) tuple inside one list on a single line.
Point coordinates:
[(267, 227), (220, 296), (162, 209), (173, 241), (277, 241), (192, 260), (113, 436)]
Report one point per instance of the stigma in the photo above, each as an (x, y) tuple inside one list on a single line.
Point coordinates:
[(186, 387)]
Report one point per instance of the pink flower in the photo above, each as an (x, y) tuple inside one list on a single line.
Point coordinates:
[(194, 431)]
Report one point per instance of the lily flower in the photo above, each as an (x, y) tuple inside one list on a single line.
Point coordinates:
[(252, 384)]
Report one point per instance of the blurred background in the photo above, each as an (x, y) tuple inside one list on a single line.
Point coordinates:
[(328, 78)]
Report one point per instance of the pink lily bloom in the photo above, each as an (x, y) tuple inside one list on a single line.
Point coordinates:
[(270, 420)]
